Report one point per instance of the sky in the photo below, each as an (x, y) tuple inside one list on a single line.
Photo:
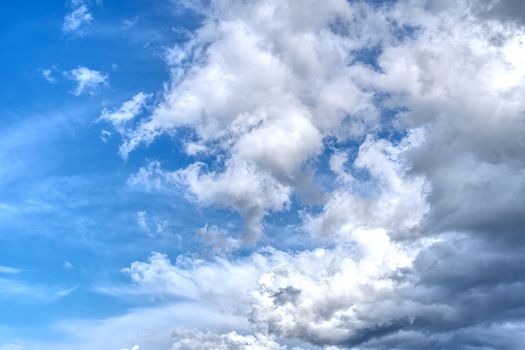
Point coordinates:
[(271, 174)]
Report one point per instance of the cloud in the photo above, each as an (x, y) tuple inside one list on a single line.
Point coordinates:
[(389, 198), (370, 293), (218, 239), (462, 85), (11, 288), (125, 113), (122, 118), (148, 328), (285, 292), (509, 10), (88, 80), (414, 154), (48, 75), (77, 18), (195, 340)]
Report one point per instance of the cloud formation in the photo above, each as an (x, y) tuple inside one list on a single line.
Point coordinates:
[(195, 340), (87, 80), (77, 18), (397, 130)]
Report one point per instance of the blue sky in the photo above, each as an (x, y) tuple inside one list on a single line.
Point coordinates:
[(63, 190), (261, 175)]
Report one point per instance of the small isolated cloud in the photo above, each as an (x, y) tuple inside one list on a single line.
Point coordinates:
[(105, 135), (130, 22), (48, 75), (77, 17), (88, 80), (68, 265)]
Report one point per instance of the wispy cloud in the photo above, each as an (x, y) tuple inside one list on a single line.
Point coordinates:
[(10, 288), (77, 18), (48, 75), (120, 116), (148, 328), (88, 80)]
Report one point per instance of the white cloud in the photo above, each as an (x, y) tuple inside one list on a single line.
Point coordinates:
[(264, 108), (261, 100), (366, 289), (262, 105), (286, 291), (388, 199), (88, 80), (48, 75), (125, 113), (242, 187), (77, 18), (11, 288), (151, 177), (105, 135), (150, 327)]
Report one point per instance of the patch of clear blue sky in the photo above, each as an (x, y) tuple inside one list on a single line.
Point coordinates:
[(63, 192)]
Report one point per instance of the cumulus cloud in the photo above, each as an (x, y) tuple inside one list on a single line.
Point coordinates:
[(324, 295), (462, 84), (403, 120), (257, 100), (370, 293), (78, 17), (88, 80), (388, 198)]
